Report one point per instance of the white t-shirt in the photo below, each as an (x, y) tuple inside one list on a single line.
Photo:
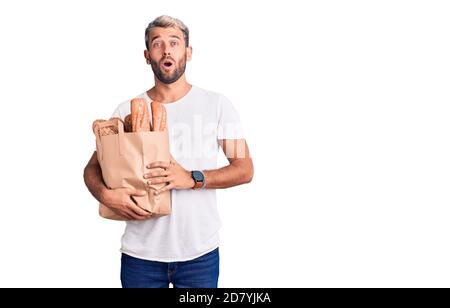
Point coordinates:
[(195, 122)]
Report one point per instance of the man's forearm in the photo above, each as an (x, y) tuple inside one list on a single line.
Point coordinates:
[(234, 174), (94, 181)]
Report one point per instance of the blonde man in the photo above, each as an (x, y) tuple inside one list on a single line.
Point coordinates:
[(181, 248)]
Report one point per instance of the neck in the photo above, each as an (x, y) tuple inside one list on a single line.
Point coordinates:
[(167, 93)]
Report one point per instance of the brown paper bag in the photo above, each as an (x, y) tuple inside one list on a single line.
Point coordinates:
[(123, 158)]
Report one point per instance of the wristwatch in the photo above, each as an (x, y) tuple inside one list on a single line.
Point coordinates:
[(199, 179)]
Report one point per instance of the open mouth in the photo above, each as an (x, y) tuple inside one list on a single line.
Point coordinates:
[(167, 64)]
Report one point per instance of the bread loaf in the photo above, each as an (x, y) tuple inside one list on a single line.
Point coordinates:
[(140, 118), (159, 117)]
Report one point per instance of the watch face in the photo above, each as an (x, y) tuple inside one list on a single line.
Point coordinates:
[(198, 176)]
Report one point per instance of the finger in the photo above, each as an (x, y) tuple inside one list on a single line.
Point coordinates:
[(138, 210), (154, 174), (159, 180), (122, 214), (133, 215), (136, 192), (125, 213), (145, 217), (139, 213), (157, 169), (165, 188), (136, 216), (126, 216), (160, 164)]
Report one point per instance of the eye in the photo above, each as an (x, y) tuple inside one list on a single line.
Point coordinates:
[(156, 44), (173, 43)]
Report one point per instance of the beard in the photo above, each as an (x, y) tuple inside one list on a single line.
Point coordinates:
[(171, 76)]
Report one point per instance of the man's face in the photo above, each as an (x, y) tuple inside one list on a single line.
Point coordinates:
[(167, 54)]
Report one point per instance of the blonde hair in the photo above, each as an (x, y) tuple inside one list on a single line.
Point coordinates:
[(165, 21)]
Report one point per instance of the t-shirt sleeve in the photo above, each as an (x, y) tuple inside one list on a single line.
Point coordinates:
[(229, 126), (117, 113), (122, 110)]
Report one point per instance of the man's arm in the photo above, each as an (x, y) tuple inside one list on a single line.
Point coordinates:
[(239, 171), (93, 178), (119, 199)]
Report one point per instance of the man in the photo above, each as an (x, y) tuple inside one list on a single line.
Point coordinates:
[(180, 248)]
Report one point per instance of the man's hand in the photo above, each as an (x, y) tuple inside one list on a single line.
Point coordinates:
[(171, 173), (120, 201)]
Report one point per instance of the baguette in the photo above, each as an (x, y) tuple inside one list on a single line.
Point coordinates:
[(159, 117), (164, 119), (140, 118)]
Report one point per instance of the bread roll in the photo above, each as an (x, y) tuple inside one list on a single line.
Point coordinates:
[(128, 125), (111, 129), (95, 125)]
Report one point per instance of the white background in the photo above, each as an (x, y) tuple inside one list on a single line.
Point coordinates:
[(345, 105)]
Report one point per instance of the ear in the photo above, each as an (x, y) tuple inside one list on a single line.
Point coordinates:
[(189, 53), (147, 56)]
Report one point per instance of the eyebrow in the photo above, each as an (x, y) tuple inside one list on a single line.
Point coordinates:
[(158, 36)]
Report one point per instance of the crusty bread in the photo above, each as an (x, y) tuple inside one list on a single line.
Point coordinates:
[(106, 130), (159, 117), (140, 118), (128, 125)]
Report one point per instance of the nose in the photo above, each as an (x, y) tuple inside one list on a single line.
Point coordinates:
[(166, 51)]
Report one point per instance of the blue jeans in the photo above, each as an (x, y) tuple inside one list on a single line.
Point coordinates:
[(202, 272)]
